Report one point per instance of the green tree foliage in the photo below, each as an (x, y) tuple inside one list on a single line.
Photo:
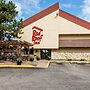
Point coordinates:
[(10, 27)]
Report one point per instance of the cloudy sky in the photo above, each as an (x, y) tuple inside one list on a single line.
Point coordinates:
[(79, 8)]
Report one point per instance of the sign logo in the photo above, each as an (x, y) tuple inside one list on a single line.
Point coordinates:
[(37, 35)]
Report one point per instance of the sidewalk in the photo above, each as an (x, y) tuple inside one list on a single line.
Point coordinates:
[(38, 64), (27, 64)]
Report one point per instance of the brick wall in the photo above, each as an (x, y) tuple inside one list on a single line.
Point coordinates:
[(70, 54)]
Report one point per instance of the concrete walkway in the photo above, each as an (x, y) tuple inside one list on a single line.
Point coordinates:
[(39, 64), (27, 64)]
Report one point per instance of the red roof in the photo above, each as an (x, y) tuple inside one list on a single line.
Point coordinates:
[(63, 14), (74, 19), (41, 14)]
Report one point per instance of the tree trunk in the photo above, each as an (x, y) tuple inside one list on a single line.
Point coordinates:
[(1, 35)]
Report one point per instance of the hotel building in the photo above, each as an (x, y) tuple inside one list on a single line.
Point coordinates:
[(57, 34)]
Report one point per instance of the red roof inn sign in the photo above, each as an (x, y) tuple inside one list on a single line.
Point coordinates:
[(37, 35)]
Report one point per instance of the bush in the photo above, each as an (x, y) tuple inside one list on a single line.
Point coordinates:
[(48, 57), (69, 59), (37, 58), (82, 59), (31, 57)]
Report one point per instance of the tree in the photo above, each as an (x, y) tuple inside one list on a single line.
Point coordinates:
[(10, 27)]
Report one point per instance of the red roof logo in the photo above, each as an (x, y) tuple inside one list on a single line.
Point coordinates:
[(37, 35)]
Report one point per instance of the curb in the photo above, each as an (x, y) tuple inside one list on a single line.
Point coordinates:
[(20, 66), (48, 64)]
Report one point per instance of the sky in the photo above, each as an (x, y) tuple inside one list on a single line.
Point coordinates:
[(28, 8)]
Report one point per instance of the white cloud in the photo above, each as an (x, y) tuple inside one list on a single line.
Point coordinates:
[(66, 5), (31, 3), (26, 7), (19, 9), (85, 10)]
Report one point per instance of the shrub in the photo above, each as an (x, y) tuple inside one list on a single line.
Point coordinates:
[(31, 57), (37, 58), (48, 57)]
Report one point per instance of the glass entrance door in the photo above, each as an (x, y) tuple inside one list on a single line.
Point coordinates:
[(45, 53)]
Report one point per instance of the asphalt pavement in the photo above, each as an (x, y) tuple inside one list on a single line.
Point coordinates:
[(56, 77)]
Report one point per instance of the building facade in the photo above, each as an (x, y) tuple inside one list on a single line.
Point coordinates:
[(58, 34)]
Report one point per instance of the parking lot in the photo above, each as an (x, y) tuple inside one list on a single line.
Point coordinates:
[(56, 77)]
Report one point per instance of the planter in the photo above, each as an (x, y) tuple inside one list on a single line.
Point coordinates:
[(31, 58), (19, 62), (37, 58)]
